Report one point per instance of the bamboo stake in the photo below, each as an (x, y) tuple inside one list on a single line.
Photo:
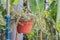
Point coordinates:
[(41, 36)]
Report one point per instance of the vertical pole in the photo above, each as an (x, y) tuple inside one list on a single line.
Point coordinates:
[(8, 20), (41, 36), (46, 4), (19, 8), (58, 19), (56, 35)]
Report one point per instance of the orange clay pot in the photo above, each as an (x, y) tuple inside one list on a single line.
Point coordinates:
[(24, 26)]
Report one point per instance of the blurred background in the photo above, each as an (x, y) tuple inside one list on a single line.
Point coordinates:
[(47, 24)]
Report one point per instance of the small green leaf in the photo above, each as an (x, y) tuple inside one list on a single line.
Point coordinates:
[(15, 2), (4, 14)]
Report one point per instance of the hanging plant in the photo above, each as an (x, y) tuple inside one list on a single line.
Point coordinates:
[(25, 24)]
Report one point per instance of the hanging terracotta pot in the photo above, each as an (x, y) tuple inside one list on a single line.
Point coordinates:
[(24, 26)]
